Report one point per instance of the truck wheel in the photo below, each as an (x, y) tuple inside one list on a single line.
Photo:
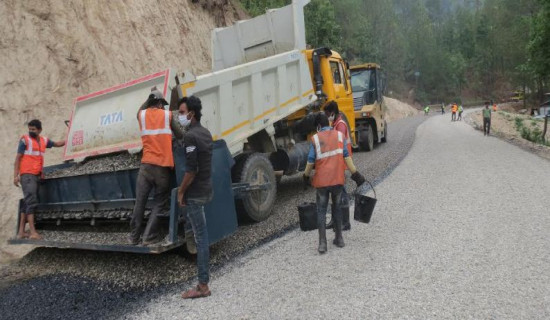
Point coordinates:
[(256, 169), (384, 138), (366, 139)]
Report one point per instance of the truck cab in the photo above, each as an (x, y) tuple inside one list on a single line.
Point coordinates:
[(331, 81), (368, 85)]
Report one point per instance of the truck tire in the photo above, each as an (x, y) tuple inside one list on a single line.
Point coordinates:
[(366, 139), (255, 169), (384, 138)]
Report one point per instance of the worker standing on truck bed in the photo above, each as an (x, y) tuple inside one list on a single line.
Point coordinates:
[(156, 126), (196, 188), (27, 170), (329, 154), (337, 119)]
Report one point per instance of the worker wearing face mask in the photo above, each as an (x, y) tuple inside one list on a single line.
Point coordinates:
[(336, 118), (156, 127)]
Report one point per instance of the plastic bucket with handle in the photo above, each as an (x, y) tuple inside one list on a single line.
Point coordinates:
[(364, 205)]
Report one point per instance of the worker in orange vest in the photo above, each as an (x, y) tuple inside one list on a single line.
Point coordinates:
[(329, 154), (27, 170), (156, 126), (454, 109), (336, 118), (494, 107)]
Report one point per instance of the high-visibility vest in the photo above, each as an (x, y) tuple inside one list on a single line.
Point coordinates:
[(32, 161), (156, 137), (454, 108), (494, 107), (329, 159), (338, 122)]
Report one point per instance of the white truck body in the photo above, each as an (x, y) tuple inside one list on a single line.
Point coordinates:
[(261, 76)]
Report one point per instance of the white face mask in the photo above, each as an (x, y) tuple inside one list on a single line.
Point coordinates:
[(331, 118), (183, 120)]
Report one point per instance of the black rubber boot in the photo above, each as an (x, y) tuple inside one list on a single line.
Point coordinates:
[(322, 238), (338, 239)]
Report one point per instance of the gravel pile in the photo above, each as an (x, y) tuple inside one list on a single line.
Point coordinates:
[(458, 233), (133, 272), (121, 161)]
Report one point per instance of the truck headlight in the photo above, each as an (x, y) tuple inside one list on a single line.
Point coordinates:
[(364, 114)]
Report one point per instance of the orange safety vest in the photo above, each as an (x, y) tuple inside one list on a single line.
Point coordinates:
[(454, 108), (156, 137), (494, 107), (32, 161), (339, 121), (329, 159)]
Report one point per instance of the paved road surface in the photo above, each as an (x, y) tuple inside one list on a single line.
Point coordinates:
[(461, 230), (92, 285)]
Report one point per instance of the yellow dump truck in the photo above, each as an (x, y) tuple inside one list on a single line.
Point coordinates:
[(368, 85)]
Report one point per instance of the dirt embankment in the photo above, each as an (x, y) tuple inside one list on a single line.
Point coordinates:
[(397, 109), (509, 126), (53, 51)]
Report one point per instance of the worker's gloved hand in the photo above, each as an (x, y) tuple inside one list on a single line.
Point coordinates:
[(358, 178), (307, 183)]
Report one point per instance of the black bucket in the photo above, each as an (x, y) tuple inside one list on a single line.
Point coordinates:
[(308, 216), (364, 206)]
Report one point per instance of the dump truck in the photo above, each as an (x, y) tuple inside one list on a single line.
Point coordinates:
[(256, 103), (368, 85)]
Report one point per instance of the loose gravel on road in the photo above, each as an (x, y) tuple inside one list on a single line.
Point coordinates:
[(460, 232), (117, 281)]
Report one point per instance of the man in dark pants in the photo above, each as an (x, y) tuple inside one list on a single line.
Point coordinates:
[(329, 154), (486, 120), (337, 122), (196, 188), (27, 170), (156, 127)]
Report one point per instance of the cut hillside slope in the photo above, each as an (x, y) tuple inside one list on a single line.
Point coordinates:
[(53, 51)]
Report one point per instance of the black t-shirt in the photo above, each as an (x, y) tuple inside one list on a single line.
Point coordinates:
[(198, 155)]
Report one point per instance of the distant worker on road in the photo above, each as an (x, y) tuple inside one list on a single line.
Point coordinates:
[(329, 154), (486, 120), (195, 190), (495, 107), (28, 166), (454, 109), (442, 108), (460, 110), (426, 110), (337, 119), (156, 126)]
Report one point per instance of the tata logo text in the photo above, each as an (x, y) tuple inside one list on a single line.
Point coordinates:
[(110, 118)]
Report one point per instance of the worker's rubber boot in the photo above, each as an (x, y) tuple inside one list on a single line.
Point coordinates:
[(322, 238), (338, 239)]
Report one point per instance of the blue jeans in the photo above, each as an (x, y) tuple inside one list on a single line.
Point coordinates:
[(195, 217)]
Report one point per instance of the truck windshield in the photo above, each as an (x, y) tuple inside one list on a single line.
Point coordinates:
[(360, 80)]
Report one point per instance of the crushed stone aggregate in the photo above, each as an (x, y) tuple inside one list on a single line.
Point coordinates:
[(133, 274)]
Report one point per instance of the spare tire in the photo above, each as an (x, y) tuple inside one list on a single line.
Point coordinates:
[(255, 169)]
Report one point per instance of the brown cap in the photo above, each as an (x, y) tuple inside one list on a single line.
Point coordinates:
[(157, 95)]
